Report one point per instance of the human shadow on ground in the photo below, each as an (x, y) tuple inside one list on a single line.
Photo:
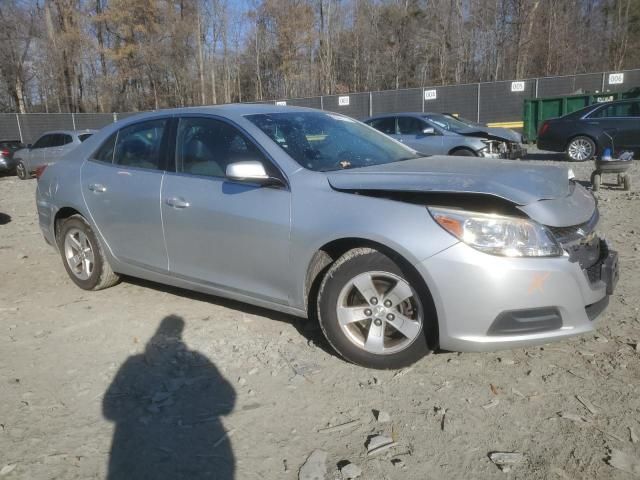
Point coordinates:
[(306, 327), (167, 404), (4, 218)]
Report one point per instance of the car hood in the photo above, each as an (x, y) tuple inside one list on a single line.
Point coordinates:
[(544, 192), (493, 133)]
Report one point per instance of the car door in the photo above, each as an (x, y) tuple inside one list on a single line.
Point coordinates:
[(614, 121), (121, 187), (227, 235), (60, 145), (628, 125), (411, 130), (34, 156)]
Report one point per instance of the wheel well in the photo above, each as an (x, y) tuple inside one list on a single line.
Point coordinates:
[(63, 214), (324, 257), (457, 149), (582, 135)]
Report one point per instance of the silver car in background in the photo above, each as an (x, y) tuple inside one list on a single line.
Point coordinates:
[(48, 149), (443, 134), (318, 215)]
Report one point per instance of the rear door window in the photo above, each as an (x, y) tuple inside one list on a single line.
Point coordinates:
[(410, 125), (385, 125), (66, 139), (105, 152), (43, 142), (139, 145), (618, 110)]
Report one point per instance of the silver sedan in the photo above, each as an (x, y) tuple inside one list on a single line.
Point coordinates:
[(318, 215), (48, 149)]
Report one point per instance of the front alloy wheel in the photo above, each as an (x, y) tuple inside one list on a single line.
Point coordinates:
[(372, 312), (581, 149)]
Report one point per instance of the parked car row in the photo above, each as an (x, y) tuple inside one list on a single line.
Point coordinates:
[(587, 132), (315, 214), (48, 149), (7, 151), (445, 134)]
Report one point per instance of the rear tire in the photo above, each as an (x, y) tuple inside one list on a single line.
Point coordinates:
[(83, 257), (21, 171), (463, 152), (581, 149), (381, 322)]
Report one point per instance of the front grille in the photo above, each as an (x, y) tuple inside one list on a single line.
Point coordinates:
[(576, 232), (594, 272), (580, 241)]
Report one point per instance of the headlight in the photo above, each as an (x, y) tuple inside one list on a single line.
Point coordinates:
[(498, 234)]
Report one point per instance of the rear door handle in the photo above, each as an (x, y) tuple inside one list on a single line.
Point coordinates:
[(177, 202), (97, 188)]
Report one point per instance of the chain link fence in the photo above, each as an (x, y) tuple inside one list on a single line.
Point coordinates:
[(494, 103)]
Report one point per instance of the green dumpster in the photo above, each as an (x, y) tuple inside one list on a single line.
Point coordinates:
[(537, 110)]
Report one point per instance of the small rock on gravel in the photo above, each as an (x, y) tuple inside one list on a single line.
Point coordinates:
[(6, 470), (350, 471), (382, 416), (505, 460), (315, 468)]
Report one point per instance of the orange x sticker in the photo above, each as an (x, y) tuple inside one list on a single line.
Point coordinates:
[(537, 282)]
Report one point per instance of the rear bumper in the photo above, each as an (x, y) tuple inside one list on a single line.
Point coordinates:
[(486, 302)]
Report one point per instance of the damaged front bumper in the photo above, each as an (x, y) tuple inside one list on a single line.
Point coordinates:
[(504, 150), (487, 302)]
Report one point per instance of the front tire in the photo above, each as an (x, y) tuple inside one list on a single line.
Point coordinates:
[(372, 312), (21, 171), (581, 149), (83, 257)]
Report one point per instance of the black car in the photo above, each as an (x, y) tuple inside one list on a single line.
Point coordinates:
[(585, 133), (7, 149)]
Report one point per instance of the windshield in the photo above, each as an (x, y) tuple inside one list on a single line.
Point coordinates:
[(466, 121), (448, 123), (326, 141)]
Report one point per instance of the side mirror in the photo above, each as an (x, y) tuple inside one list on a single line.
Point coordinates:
[(429, 131), (251, 172)]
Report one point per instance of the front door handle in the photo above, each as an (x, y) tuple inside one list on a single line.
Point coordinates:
[(97, 188), (177, 202)]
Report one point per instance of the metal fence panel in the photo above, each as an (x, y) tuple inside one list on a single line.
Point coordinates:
[(92, 120), (33, 125), (502, 102), (355, 105), (460, 100), (588, 82), (630, 79), (395, 101), (9, 127), (310, 102)]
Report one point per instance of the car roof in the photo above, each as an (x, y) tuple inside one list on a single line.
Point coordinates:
[(404, 114), (69, 132)]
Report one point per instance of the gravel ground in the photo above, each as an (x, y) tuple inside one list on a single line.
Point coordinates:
[(145, 381)]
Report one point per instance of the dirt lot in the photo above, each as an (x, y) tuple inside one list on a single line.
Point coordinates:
[(188, 386)]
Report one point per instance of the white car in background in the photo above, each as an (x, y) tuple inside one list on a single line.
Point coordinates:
[(48, 149)]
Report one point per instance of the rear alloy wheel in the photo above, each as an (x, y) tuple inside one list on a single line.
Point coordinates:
[(83, 257), (371, 311), (21, 171), (581, 149)]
